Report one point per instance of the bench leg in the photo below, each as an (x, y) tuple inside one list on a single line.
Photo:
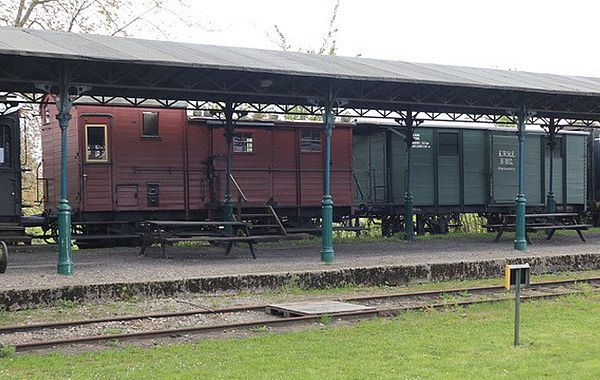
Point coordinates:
[(144, 245), (528, 239), (251, 246), (163, 249), (581, 235), (500, 232), (229, 247), (550, 234)]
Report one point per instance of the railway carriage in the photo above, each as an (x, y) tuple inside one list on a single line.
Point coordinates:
[(10, 185), (127, 165), (463, 169)]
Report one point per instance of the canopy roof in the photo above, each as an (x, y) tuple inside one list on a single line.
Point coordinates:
[(133, 67)]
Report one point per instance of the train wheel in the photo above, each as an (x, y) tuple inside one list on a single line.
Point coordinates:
[(3, 257)]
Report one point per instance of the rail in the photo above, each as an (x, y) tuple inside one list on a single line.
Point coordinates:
[(386, 305)]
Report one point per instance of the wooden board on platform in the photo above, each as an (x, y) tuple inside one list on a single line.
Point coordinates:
[(314, 308)]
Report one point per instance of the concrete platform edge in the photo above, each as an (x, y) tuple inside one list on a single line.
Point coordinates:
[(17, 299)]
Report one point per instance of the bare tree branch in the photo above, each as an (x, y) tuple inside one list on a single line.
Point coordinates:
[(331, 32), (283, 45), (136, 18), (328, 46)]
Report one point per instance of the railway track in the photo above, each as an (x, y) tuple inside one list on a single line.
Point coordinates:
[(206, 321)]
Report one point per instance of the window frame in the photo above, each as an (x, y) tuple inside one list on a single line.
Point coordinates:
[(311, 140), (250, 136), (45, 114), (157, 135), (6, 130), (106, 144), (456, 152)]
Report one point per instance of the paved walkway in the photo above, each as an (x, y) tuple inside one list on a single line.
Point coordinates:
[(36, 267)]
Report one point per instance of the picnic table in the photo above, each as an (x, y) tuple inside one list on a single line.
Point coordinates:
[(170, 232), (550, 222)]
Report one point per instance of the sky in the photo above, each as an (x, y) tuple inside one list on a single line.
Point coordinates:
[(559, 37)]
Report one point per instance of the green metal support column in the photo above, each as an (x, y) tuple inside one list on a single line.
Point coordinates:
[(409, 228), (229, 127), (327, 253), (550, 198), (64, 103), (521, 201)]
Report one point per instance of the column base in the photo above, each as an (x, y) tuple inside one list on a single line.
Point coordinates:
[(550, 203), (409, 228), (65, 263), (327, 253), (520, 239)]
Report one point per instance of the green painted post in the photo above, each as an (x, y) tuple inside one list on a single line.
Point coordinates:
[(521, 201), (550, 198), (65, 263), (517, 306), (409, 228), (228, 201), (327, 253)]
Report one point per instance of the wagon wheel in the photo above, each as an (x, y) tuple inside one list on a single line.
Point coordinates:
[(3, 256)]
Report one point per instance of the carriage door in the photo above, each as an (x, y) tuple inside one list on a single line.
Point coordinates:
[(505, 156), (377, 167), (449, 168), (9, 171), (96, 189)]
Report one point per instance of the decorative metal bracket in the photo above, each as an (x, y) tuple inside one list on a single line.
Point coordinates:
[(9, 104)]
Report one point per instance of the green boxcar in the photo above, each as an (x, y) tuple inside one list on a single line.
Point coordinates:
[(465, 169)]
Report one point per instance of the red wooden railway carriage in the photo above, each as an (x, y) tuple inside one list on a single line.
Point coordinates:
[(131, 164)]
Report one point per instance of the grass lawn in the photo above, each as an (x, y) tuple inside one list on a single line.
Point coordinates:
[(561, 339)]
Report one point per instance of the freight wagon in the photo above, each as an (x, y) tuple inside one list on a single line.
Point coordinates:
[(126, 165), (10, 186), (458, 170)]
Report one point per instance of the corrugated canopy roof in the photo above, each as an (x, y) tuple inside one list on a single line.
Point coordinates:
[(135, 68), (40, 43)]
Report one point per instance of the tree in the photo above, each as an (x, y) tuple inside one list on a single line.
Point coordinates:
[(328, 47), (328, 44), (111, 17)]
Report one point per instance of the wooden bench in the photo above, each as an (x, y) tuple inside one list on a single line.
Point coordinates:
[(552, 229), (550, 222), (230, 240), (171, 232)]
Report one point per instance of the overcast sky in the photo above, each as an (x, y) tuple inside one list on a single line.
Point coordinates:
[(529, 35)]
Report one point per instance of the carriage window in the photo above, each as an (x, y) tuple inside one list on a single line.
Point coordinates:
[(310, 141), (45, 114), (447, 143), (95, 141), (150, 124), (4, 145), (242, 142)]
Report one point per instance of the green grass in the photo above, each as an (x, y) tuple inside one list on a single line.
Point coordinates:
[(561, 339)]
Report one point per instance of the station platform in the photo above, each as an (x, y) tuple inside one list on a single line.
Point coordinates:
[(114, 273)]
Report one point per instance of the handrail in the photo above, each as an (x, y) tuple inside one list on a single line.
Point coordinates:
[(238, 188), (40, 200), (362, 195)]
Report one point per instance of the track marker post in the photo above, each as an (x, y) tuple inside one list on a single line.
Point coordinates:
[(517, 276)]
